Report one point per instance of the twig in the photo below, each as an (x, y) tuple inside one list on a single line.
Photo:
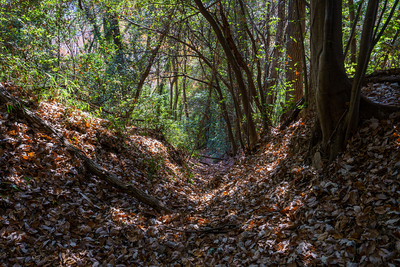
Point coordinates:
[(219, 229)]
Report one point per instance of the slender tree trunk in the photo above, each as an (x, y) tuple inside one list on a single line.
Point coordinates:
[(112, 33), (174, 109), (171, 85), (367, 40), (91, 18), (275, 65), (238, 112), (396, 35), (238, 56), (226, 117), (185, 106), (353, 41), (294, 51), (263, 106), (150, 63), (236, 69)]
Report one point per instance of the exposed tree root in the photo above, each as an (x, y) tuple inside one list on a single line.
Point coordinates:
[(369, 109)]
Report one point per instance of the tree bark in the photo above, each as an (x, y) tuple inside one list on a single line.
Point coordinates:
[(266, 120), (150, 63), (333, 89), (391, 47), (367, 40), (92, 20), (226, 117), (239, 58), (277, 52), (112, 32), (176, 96), (92, 166), (329, 79), (353, 41), (184, 99), (293, 49)]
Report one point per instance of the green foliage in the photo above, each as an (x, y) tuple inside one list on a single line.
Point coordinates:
[(69, 53)]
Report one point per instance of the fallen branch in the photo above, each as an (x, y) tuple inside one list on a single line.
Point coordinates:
[(216, 230), (7, 99)]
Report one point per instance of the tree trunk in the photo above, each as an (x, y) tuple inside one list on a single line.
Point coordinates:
[(92, 166), (263, 106), (294, 51), (353, 41), (277, 52), (176, 98), (329, 79), (236, 69), (92, 21), (391, 48), (367, 40), (333, 89), (240, 59), (150, 63), (238, 111), (113, 33), (184, 99), (171, 85), (226, 117)]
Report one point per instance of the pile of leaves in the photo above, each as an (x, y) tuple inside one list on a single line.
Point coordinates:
[(269, 208)]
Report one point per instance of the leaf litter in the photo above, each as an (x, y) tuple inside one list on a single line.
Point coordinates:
[(263, 208)]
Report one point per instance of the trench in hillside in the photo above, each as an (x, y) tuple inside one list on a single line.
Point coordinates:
[(266, 207)]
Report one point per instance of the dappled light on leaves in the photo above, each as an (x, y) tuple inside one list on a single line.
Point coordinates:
[(262, 209)]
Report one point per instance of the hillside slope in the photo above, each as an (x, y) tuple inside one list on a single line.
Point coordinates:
[(267, 208)]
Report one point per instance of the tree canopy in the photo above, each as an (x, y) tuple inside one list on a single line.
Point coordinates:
[(212, 75)]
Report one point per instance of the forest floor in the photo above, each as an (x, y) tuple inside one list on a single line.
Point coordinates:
[(264, 208)]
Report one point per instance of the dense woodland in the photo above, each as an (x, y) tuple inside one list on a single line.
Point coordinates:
[(199, 133)]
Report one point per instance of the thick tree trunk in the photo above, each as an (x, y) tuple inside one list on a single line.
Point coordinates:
[(329, 79), (92, 166)]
